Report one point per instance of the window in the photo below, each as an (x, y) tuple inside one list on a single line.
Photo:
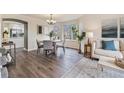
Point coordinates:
[(57, 31), (68, 31)]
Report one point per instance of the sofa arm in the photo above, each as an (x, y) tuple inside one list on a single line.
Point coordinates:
[(93, 47)]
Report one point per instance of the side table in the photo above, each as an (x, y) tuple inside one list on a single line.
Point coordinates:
[(88, 50)]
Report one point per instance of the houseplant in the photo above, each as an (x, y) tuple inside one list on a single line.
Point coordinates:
[(52, 34), (79, 36)]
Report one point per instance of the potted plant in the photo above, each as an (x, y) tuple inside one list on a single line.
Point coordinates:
[(51, 34), (79, 36)]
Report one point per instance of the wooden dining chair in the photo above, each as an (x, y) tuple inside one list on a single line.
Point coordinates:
[(48, 46), (39, 46)]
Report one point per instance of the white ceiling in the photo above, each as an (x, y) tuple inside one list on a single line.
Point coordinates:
[(58, 17)]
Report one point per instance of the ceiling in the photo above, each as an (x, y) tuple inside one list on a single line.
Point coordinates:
[(58, 17)]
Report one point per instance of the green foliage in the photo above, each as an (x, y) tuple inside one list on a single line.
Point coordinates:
[(52, 34), (81, 36)]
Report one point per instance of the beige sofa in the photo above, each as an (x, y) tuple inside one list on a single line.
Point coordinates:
[(97, 50)]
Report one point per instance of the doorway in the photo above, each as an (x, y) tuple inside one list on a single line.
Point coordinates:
[(17, 31)]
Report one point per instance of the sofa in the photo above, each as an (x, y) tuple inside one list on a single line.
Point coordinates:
[(98, 51)]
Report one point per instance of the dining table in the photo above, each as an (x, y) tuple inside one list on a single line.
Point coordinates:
[(54, 43)]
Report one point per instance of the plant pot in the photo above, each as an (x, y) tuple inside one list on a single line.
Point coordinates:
[(79, 48)]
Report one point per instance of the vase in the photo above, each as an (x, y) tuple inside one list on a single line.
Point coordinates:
[(79, 48)]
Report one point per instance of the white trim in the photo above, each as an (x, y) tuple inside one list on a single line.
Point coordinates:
[(71, 40), (25, 49), (31, 50)]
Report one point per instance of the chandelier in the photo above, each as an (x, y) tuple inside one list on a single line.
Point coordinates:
[(50, 21)]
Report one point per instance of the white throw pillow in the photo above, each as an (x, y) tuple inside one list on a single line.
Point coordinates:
[(117, 46)]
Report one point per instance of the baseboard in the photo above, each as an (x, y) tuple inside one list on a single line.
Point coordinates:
[(31, 50), (71, 48)]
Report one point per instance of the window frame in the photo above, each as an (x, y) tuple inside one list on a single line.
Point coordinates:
[(70, 31)]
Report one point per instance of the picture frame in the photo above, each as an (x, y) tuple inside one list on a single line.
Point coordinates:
[(109, 28), (39, 29), (121, 28)]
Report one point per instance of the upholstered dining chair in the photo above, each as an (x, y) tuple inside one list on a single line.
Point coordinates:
[(48, 46), (61, 44), (39, 46)]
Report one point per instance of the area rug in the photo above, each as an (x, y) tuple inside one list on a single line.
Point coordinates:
[(87, 68)]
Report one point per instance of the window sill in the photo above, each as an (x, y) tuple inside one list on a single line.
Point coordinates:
[(71, 40)]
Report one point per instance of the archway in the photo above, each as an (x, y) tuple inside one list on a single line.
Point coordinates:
[(25, 29)]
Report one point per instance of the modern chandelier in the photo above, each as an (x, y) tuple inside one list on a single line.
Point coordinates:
[(50, 21)]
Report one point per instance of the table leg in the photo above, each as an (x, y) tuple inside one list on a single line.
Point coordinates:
[(99, 69), (54, 44)]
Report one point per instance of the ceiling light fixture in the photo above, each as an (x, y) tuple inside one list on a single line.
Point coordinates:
[(50, 21)]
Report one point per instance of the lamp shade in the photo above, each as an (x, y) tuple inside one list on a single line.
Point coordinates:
[(89, 34)]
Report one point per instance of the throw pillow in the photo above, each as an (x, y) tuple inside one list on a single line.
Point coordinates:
[(108, 45), (117, 45)]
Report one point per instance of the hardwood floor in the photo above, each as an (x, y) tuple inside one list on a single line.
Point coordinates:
[(31, 65)]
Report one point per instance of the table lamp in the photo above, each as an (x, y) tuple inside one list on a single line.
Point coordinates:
[(89, 35)]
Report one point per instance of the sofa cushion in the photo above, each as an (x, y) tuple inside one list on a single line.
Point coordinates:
[(117, 45), (108, 45), (108, 53)]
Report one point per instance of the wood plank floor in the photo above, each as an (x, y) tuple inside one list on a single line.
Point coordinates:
[(31, 65)]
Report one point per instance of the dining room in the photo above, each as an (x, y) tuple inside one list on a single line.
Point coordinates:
[(58, 35)]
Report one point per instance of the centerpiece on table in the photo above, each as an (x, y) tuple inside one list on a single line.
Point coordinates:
[(52, 35)]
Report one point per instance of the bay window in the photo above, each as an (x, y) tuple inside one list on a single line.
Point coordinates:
[(68, 33)]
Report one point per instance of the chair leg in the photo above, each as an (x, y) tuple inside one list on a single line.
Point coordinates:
[(46, 52), (37, 50), (64, 49)]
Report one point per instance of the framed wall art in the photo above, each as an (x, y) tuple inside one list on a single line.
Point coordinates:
[(109, 28)]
